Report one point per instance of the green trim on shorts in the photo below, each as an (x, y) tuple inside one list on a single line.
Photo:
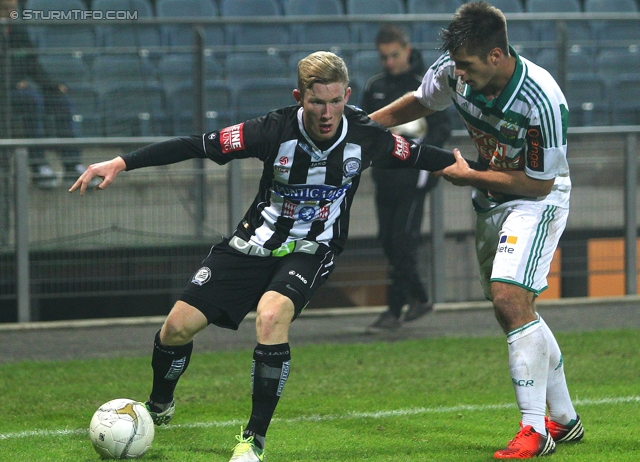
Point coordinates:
[(509, 281)]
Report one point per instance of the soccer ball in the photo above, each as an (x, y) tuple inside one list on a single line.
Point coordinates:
[(121, 429)]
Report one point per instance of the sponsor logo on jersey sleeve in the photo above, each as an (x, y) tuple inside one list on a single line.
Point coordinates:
[(401, 149), (535, 151), (232, 138)]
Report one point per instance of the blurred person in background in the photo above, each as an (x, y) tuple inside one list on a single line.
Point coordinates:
[(400, 194), (33, 106)]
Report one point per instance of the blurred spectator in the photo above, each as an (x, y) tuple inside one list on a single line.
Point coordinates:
[(32, 105), (400, 194)]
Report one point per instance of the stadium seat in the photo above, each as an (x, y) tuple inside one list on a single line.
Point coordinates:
[(110, 70), (177, 69), (366, 32), (63, 36), (625, 100), (429, 32), (613, 62), (587, 99), (256, 97), (183, 35), (519, 31), (218, 106), (609, 30), (254, 34), (579, 61), (133, 109), (430, 56), (85, 110), (242, 66), (547, 30), (68, 69), (326, 34), (364, 64), (127, 35)]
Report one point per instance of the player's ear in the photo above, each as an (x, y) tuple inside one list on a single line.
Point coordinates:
[(297, 95), (347, 93)]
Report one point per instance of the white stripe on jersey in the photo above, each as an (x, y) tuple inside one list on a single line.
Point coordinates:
[(305, 209)]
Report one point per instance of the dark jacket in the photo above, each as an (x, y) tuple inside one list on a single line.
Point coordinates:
[(384, 88)]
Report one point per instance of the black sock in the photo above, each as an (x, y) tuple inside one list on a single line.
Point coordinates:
[(168, 363), (268, 375)]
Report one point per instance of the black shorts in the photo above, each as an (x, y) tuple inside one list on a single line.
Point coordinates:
[(229, 284)]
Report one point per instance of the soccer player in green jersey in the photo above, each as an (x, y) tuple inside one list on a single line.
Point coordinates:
[(516, 116)]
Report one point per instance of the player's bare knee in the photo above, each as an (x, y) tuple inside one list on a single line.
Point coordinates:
[(175, 331)]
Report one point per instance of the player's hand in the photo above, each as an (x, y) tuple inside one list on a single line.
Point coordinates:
[(106, 170), (456, 174)]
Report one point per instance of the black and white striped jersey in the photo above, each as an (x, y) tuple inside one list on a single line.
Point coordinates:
[(306, 189)]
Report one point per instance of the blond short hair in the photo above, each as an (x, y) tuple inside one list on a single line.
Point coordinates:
[(321, 67)]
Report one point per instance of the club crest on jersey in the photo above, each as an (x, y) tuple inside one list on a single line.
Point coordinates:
[(351, 167), (202, 276), (232, 138)]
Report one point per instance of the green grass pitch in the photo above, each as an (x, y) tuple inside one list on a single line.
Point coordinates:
[(443, 399)]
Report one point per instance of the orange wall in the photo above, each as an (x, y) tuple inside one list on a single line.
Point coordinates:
[(606, 267)]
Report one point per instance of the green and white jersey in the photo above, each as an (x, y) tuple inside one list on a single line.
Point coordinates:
[(524, 128)]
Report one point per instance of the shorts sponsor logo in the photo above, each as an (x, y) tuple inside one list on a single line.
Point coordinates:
[(507, 243), (535, 151), (351, 167), (401, 149), (202, 276), (297, 275), (232, 138), (283, 160)]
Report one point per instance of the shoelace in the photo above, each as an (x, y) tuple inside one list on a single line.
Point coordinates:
[(520, 436), (243, 443)]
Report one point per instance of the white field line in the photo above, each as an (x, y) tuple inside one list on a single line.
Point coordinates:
[(330, 417)]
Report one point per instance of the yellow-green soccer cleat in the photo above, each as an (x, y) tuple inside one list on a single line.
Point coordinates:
[(246, 450), (159, 416)]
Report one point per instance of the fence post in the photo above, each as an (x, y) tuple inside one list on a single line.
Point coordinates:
[(630, 222), (22, 234), (198, 125), (438, 254)]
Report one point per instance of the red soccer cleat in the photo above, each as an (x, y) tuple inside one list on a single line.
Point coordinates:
[(526, 445), (564, 433)]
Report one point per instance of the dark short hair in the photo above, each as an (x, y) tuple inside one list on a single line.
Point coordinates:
[(390, 33), (477, 28)]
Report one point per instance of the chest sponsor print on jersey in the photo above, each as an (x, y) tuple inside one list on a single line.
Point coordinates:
[(401, 150), (491, 150), (310, 192), (232, 138), (304, 212)]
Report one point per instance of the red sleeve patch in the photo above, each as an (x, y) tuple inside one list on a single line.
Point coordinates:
[(401, 148), (232, 138)]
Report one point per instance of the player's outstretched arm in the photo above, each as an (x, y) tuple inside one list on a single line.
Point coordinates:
[(107, 170)]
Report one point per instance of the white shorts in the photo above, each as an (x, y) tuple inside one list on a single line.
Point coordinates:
[(515, 243)]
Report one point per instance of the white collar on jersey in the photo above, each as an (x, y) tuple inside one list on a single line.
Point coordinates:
[(317, 152)]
